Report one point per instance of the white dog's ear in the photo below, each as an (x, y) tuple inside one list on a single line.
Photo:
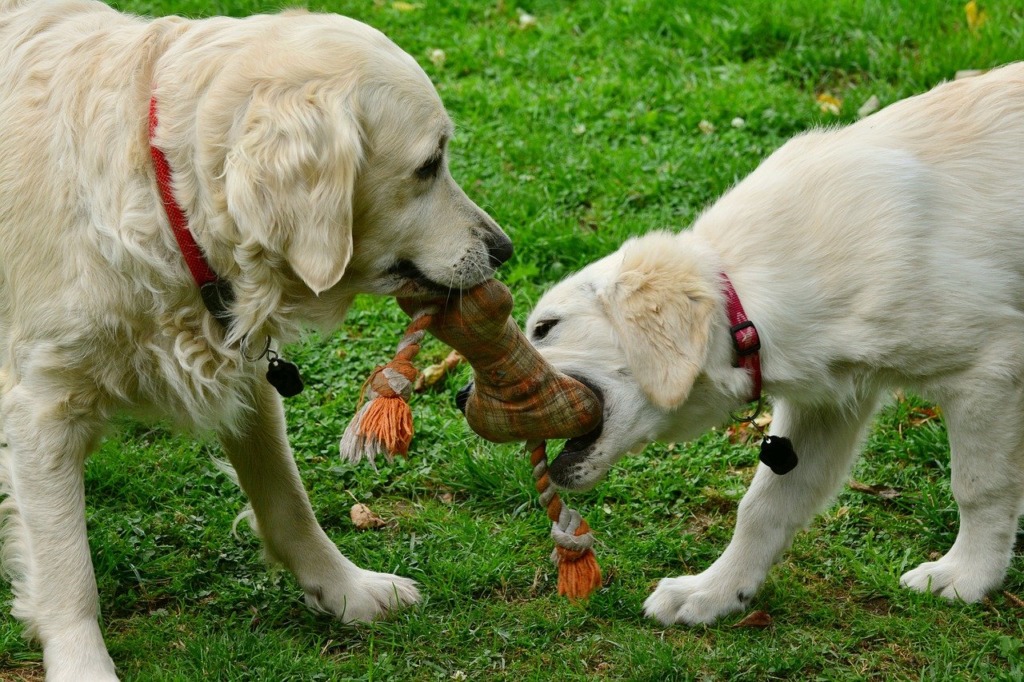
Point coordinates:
[(661, 309), (290, 181)]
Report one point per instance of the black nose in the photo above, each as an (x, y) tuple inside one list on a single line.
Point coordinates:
[(462, 397), (499, 248)]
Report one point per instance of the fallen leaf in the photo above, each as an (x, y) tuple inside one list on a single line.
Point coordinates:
[(923, 415), (406, 6), (829, 104), (741, 433), (885, 492), (976, 17), (364, 518), (1014, 599), (841, 512), (755, 619), (967, 73), (743, 430), (869, 107), (438, 57), (433, 374)]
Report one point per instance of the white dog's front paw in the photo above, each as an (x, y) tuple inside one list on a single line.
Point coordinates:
[(695, 599), (81, 675), (952, 579), (364, 596), (76, 653)]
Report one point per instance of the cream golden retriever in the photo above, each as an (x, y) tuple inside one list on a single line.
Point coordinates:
[(886, 254), (308, 153)]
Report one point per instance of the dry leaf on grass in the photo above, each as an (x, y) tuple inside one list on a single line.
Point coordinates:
[(433, 374), (870, 106), (526, 20), (1013, 599), (829, 104), (755, 619), (743, 431), (967, 73), (885, 492), (364, 518), (976, 17), (923, 415)]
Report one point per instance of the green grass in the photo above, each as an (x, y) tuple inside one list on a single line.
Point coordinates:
[(574, 134)]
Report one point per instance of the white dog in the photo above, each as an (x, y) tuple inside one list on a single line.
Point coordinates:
[(307, 153), (886, 254)]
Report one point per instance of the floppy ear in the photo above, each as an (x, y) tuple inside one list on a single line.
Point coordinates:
[(661, 309), (290, 180)]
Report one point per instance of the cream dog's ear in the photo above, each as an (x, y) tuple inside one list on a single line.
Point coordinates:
[(661, 310), (290, 180)]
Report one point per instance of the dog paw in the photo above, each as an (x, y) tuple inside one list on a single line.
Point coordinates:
[(695, 599), (76, 653), (365, 596), (79, 675), (951, 579)]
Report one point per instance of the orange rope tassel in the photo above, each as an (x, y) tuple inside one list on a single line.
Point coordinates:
[(389, 419), (383, 425)]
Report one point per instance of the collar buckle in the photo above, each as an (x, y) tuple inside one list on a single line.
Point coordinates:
[(218, 296), (745, 342)]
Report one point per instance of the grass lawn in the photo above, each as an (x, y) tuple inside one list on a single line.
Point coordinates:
[(594, 122)]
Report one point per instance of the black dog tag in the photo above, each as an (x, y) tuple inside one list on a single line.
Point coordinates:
[(284, 376), (778, 455)]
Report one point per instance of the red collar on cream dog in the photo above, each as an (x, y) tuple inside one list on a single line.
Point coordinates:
[(216, 293), (744, 336)]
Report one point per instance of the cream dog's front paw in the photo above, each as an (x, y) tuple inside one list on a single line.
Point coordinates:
[(696, 599), (363, 597)]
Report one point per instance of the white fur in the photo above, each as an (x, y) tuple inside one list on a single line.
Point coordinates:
[(886, 254), (294, 141)]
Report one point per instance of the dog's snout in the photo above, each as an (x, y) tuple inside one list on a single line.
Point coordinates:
[(462, 397), (499, 248)]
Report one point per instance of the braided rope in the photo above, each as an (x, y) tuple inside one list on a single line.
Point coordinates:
[(578, 572), (383, 423)]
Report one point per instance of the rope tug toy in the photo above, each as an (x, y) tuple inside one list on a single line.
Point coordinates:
[(516, 395), (383, 423)]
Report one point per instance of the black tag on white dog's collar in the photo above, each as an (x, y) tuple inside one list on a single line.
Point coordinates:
[(284, 376), (778, 455)]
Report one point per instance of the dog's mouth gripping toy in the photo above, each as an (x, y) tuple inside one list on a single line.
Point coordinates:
[(515, 395)]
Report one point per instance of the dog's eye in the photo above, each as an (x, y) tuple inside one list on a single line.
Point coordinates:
[(429, 169), (541, 329)]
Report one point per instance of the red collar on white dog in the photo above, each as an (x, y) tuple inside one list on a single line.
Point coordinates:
[(743, 333), (777, 452), (216, 293)]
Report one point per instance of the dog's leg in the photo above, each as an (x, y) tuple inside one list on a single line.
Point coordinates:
[(774, 509), (48, 438), (267, 473), (987, 446)]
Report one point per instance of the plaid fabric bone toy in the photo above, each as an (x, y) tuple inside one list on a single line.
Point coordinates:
[(516, 395)]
